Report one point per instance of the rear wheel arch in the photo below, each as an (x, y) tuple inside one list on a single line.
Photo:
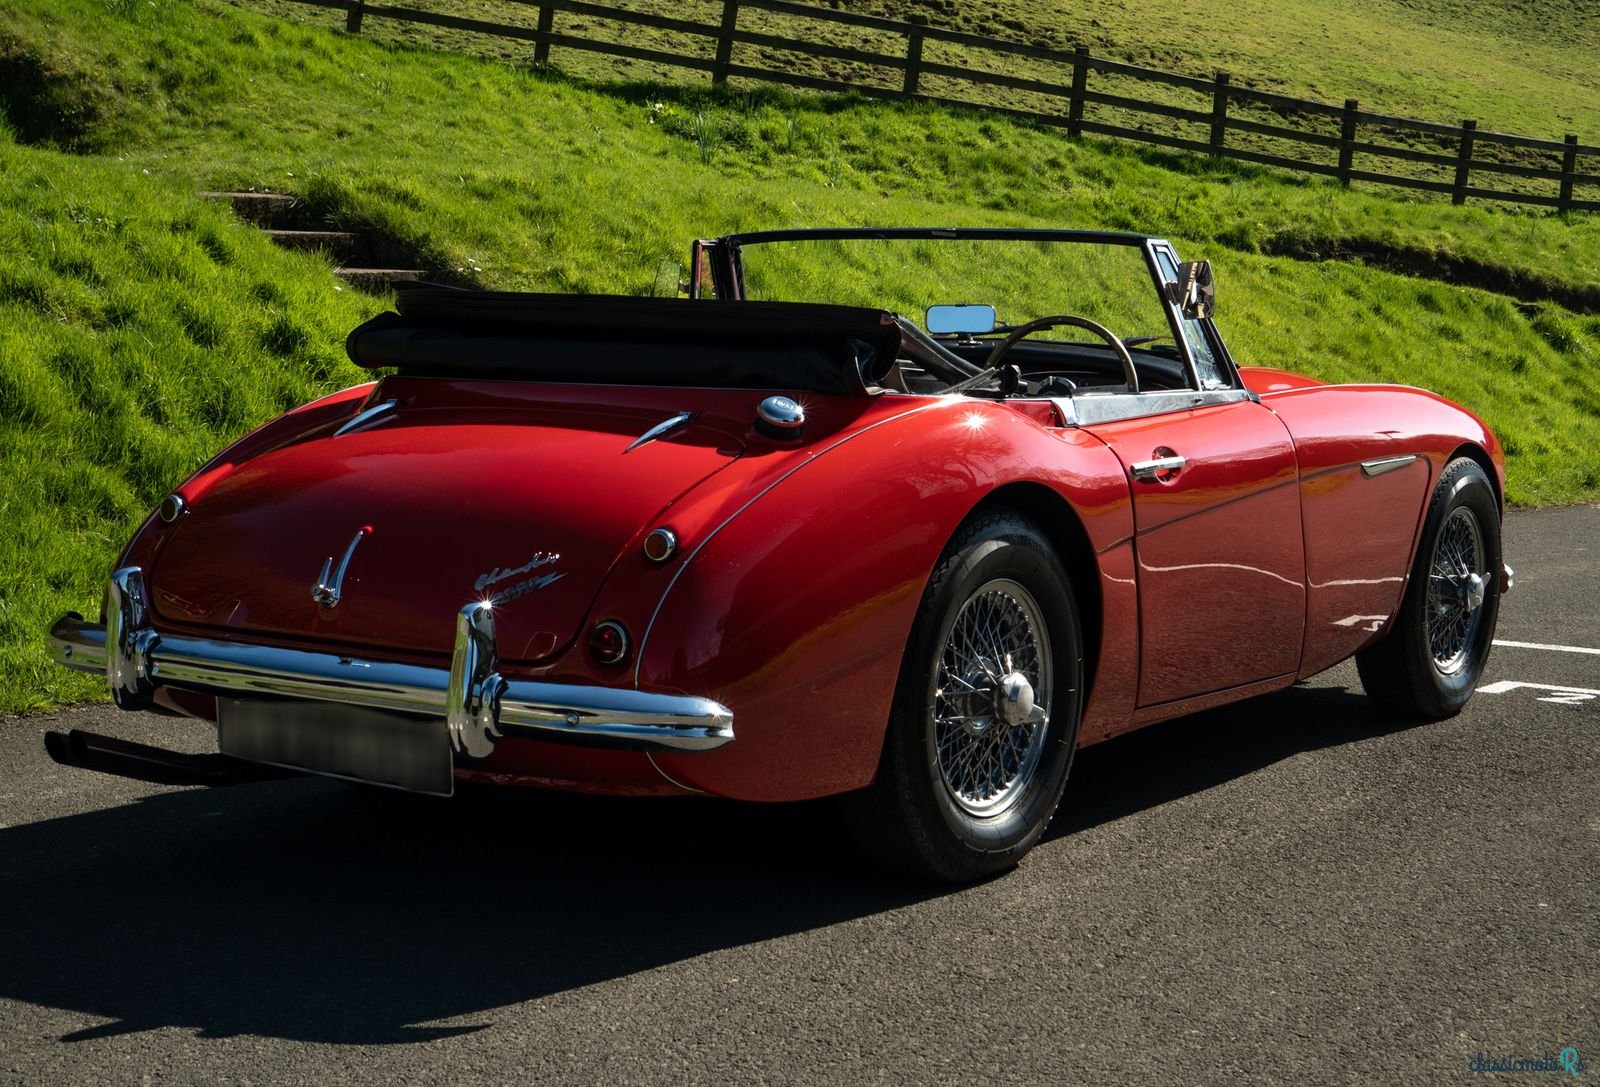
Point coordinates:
[(1062, 526), (932, 811)]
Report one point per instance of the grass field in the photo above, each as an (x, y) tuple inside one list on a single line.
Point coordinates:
[(141, 327), (1521, 67)]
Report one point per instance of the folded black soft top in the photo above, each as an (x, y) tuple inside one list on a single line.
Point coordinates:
[(618, 340)]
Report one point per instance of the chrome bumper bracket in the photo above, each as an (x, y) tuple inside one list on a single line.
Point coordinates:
[(478, 704)]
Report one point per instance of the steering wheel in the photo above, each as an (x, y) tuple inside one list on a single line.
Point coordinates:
[(1038, 324)]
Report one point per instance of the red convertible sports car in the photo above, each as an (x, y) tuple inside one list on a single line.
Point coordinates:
[(777, 540)]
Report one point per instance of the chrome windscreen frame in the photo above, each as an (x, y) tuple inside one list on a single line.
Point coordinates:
[(479, 704)]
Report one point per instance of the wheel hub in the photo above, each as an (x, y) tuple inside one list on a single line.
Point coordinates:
[(1013, 699)]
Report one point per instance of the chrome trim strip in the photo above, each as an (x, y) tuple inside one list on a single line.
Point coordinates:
[(669, 778), (1068, 409), (471, 695), (1371, 468), (663, 427), (366, 417), (1095, 407)]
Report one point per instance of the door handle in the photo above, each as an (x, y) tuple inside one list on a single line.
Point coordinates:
[(1152, 470)]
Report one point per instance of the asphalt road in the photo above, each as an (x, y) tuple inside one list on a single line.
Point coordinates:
[(1291, 890)]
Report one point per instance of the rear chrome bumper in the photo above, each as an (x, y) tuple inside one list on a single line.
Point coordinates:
[(479, 705)]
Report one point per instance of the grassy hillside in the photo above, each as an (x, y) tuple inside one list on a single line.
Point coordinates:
[(141, 327)]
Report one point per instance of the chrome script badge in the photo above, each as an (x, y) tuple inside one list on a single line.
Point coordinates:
[(522, 588)]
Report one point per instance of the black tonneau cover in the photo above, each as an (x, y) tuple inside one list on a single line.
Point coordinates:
[(618, 340)]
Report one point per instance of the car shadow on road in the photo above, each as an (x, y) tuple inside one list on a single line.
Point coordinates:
[(308, 910), (1188, 755)]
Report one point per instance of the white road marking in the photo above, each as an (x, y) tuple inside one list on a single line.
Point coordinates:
[(1549, 648), (1561, 696)]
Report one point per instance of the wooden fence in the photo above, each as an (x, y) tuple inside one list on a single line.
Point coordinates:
[(1343, 142)]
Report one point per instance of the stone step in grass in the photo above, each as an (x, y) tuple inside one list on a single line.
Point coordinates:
[(377, 280), (264, 209), (342, 246), (286, 222)]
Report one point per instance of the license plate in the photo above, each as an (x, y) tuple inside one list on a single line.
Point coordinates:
[(349, 742)]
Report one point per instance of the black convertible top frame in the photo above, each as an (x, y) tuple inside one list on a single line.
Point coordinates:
[(612, 339)]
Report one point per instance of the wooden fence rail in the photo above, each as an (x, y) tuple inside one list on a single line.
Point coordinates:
[(1458, 152)]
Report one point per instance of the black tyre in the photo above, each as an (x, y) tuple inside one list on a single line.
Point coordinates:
[(985, 717), (1428, 663)]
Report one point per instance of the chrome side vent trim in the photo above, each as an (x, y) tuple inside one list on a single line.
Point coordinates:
[(1371, 468), (377, 411), (664, 427)]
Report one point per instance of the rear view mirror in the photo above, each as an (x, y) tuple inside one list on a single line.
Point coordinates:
[(965, 320), (1195, 292)]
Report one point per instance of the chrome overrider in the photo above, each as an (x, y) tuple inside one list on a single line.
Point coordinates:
[(478, 703)]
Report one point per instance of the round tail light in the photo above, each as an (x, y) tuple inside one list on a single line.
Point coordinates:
[(610, 642)]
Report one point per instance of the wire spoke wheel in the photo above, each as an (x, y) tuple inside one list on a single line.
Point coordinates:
[(991, 698), (1429, 662), (1456, 590), (984, 724)]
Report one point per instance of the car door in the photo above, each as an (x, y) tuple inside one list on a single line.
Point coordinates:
[(1217, 538)]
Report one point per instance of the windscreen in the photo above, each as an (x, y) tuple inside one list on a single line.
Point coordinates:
[(1023, 280)]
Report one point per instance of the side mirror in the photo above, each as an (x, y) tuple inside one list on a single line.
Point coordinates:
[(962, 320), (1195, 292)]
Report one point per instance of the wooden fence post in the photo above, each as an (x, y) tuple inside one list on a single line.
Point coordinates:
[(1347, 139), (1080, 77), (541, 44), (1458, 195), (914, 53), (1219, 111), (730, 16), (352, 17), (1569, 167)]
